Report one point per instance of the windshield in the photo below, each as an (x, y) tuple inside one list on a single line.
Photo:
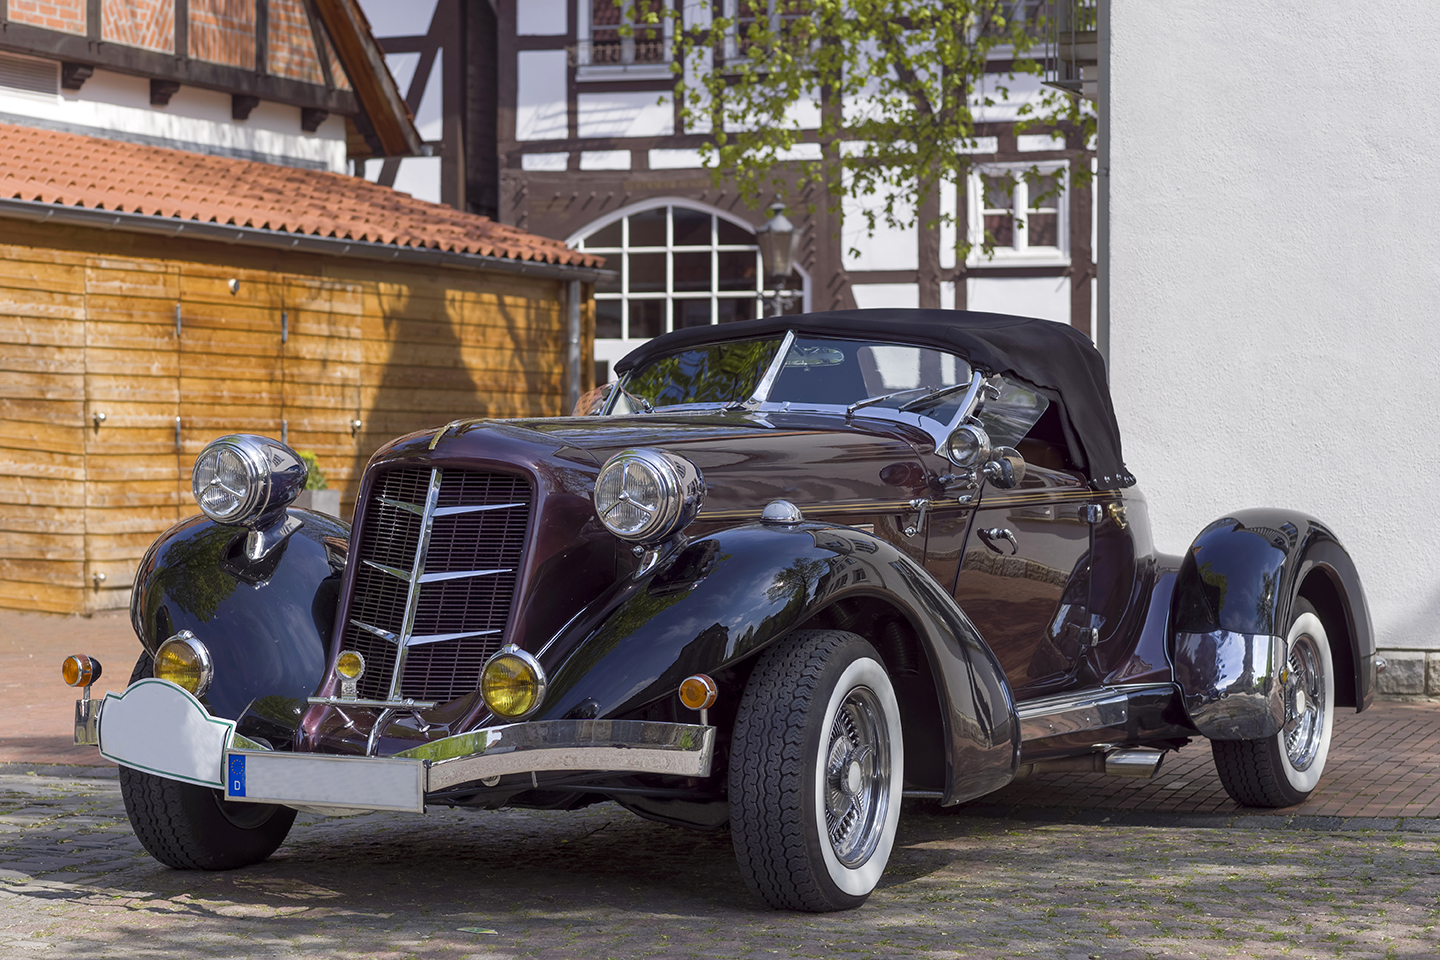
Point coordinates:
[(814, 371)]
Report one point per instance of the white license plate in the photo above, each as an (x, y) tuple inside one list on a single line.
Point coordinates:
[(305, 779)]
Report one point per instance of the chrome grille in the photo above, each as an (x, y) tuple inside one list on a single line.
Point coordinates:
[(438, 559)]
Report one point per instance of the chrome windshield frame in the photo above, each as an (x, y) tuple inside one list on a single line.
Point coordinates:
[(759, 400)]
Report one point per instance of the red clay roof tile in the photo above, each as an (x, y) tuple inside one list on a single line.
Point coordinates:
[(74, 170)]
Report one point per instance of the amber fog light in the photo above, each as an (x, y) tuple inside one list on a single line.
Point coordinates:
[(698, 692), (512, 683), (184, 661), (80, 670), (350, 665)]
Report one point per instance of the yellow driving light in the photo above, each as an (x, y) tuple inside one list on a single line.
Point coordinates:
[(512, 683), (80, 670), (350, 665), (184, 661), (698, 692)]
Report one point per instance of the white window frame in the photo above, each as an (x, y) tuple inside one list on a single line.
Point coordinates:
[(627, 69), (732, 37), (1021, 253)]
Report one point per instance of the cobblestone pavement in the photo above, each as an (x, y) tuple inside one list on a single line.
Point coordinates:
[(601, 883)]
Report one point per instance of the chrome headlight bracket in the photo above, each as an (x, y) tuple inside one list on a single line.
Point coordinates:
[(647, 496), (264, 477)]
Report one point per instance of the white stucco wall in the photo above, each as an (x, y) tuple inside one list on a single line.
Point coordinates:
[(1275, 276)]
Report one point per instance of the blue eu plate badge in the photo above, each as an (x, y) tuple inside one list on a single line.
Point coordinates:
[(235, 776)]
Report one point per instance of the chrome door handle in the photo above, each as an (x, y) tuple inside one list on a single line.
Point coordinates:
[(990, 535)]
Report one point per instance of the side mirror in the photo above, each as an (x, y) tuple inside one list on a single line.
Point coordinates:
[(1006, 468), (592, 401)]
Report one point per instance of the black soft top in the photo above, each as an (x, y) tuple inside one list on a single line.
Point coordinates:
[(1054, 358)]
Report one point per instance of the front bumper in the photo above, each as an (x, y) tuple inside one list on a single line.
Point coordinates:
[(160, 728)]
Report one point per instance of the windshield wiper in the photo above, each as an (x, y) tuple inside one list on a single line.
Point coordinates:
[(934, 397), (871, 401)]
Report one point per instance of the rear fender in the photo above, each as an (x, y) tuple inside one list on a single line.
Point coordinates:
[(267, 624), (723, 598), (1234, 594)]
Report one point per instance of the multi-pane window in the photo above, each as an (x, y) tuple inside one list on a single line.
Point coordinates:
[(620, 33), (784, 17), (1019, 211), (679, 267)]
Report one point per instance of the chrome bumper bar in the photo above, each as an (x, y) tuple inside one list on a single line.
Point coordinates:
[(160, 728)]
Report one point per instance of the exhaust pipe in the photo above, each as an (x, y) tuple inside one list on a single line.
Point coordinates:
[(1140, 763)]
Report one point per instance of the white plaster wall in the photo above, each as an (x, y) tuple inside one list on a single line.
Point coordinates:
[(540, 111), (115, 103), (1275, 276)]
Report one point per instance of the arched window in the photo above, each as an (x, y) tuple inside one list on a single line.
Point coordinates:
[(679, 266)]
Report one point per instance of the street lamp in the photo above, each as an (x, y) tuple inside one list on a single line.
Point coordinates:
[(779, 241)]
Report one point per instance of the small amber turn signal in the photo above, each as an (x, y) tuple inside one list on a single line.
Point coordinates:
[(698, 692), (80, 670)]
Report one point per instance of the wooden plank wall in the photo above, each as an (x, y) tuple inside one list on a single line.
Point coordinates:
[(340, 357)]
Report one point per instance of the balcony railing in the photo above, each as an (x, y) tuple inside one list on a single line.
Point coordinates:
[(1072, 46)]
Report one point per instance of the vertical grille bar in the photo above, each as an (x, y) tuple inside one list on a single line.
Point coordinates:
[(440, 554)]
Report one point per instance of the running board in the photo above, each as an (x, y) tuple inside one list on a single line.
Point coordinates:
[(1105, 708)]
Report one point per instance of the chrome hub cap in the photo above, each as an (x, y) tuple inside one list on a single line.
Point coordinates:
[(857, 777), (1304, 703)]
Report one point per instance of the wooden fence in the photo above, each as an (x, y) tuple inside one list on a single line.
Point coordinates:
[(122, 356)]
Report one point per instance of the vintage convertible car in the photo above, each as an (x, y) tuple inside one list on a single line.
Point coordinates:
[(785, 573)]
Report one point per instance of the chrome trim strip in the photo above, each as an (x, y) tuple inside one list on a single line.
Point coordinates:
[(1231, 683), (424, 638), (395, 572), (452, 511), (639, 746), (383, 704), (412, 599), (1092, 709), (382, 634), (402, 504), (460, 574)]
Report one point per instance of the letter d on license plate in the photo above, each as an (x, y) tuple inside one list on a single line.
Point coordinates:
[(235, 776)]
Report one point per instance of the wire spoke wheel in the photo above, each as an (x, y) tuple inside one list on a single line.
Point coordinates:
[(1305, 703), (857, 777)]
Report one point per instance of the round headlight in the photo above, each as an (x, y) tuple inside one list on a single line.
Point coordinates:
[(968, 446), (241, 477), (512, 683), (350, 665), (648, 495), (184, 661)]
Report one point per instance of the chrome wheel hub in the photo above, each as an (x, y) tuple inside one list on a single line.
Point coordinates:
[(857, 777), (1304, 703)]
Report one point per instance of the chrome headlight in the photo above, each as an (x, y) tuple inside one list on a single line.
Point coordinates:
[(648, 495), (240, 478)]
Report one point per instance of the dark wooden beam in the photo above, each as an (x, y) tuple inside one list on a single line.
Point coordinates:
[(182, 29), (72, 48), (317, 37), (262, 36), (92, 20), (374, 87), (161, 91), (242, 103), (74, 75), (311, 118)]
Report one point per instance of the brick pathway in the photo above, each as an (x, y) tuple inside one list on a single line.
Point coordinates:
[(600, 883)]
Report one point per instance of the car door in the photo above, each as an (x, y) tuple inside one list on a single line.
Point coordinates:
[(1024, 575)]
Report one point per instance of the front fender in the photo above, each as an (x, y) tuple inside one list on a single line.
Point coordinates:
[(727, 596), (267, 624), (1232, 607)]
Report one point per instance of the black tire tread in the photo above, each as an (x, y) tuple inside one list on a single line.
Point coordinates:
[(768, 772), (180, 824)]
